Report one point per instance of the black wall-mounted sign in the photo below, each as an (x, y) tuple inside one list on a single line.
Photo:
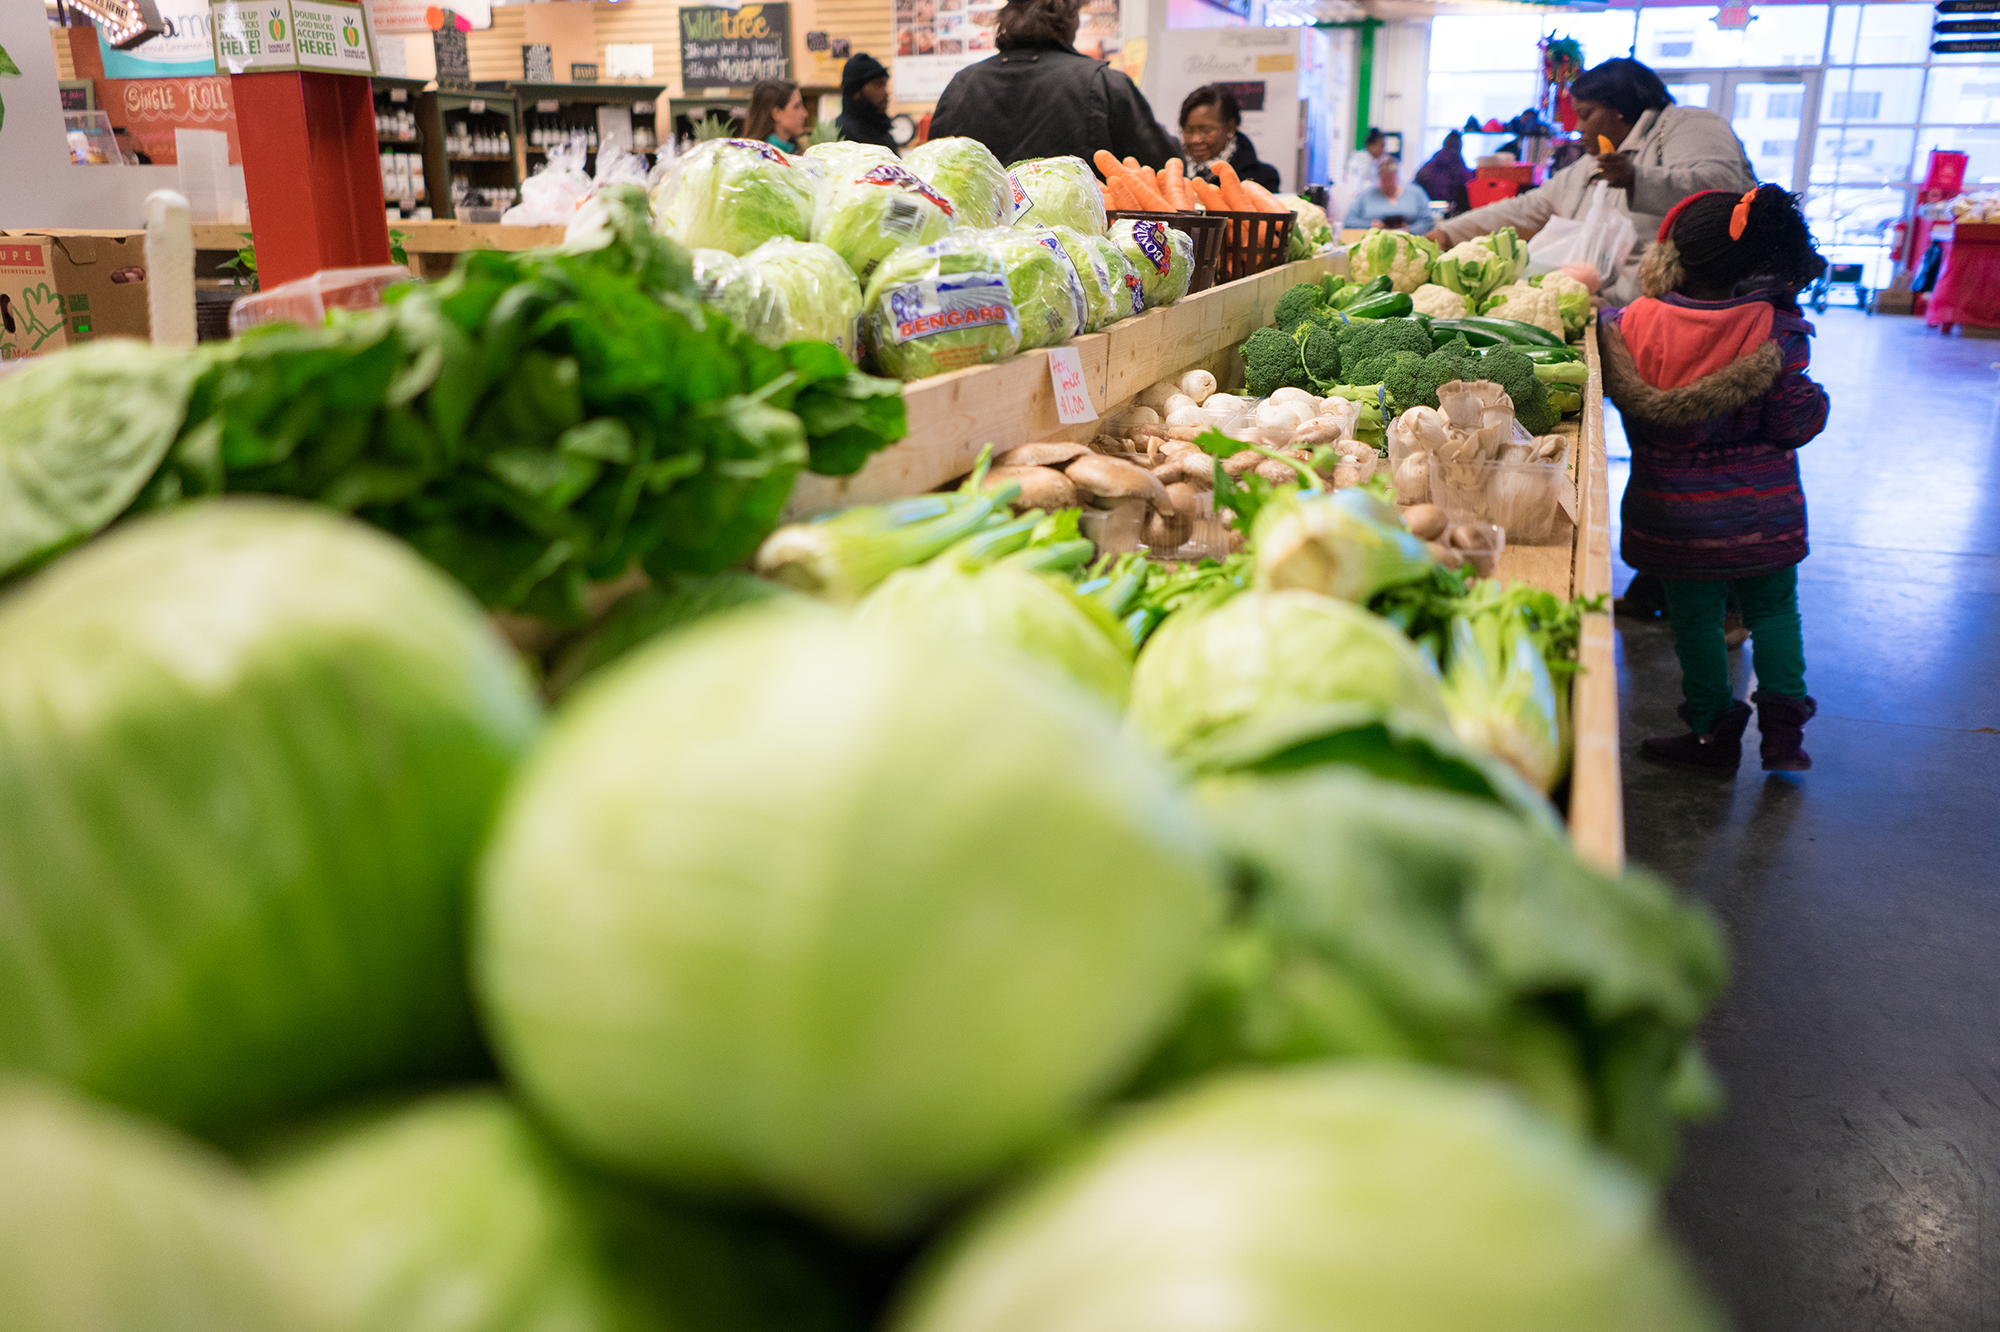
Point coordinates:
[(735, 48)]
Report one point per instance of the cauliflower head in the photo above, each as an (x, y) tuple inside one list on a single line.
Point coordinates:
[(1439, 302), (1482, 265), (1530, 305), (1572, 296), (1405, 258)]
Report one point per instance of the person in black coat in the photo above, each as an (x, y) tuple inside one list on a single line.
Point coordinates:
[(1040, 98), (1209, 133), (864, 102)]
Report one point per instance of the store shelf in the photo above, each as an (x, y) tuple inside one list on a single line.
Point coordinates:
[(479, 157)]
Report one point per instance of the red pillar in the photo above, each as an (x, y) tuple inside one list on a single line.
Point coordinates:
[(311, 169)]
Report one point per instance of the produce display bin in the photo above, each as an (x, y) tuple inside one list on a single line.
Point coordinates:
[(1257, 243), (953, 416), (431, 246)]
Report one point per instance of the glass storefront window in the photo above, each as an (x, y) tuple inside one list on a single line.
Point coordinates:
[(1486, 42), (1880, 35), (1491, 95), (1964, 96), (1855, 226), (1980, 144), (1689, 94), (1871, 96), (1687, 38), (1862, 155)]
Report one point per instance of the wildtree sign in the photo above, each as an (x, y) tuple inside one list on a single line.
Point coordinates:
[(734, 48)]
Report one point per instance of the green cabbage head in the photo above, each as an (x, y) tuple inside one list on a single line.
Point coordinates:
[(452, 1214), (966, 172), (1040, 619), (1162, 257), (247, 751), (1048, 295), (822, 299), (1262, 653), (940, 307), (1058, 192), (884, 209), (804, 908), (735, 194), (111, 1224), (731, 287), (1357, 1196), (1105, 298)]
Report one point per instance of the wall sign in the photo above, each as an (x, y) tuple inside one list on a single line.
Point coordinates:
[(538, 63), (258, 36), (734, 48), (183, 50)]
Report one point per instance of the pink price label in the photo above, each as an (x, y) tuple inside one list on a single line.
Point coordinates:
[(1073, 404)]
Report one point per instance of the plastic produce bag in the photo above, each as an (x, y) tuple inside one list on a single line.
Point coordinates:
[(966, 172), (868, 218), (820, 293), (940, 307), (1048, 295), (846, 159), (1162, 257), (1104, 298), (739, 289), (1059, 192), (733, 195), (549, 198), (1603, 238), (1129, 294)]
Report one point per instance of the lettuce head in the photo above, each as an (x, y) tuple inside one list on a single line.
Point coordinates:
[(870, 216), (1058, 192), (822, 298), (1162, 257), (966, 172), (739, 290), (933, 308), (733, 195), (845, 159), (1048, 295), (1105, 299), (1128, 292)]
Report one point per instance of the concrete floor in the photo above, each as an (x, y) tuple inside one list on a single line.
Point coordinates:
[(1854, 1180)]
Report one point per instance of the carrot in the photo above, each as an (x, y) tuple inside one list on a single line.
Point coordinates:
[(1116, 196), (1233, 197), (1131, 164), (1148, 196), (1107, 165), (1210, 196), (1266, 201), (1171, 182)]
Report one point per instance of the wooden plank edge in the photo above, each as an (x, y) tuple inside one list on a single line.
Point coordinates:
[(1597, 794)]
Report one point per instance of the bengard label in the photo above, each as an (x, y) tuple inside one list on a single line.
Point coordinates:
[(948, 304), (1151, 238), (1017, 196)]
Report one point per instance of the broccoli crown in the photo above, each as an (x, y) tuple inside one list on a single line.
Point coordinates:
[(1516, 374), (1298, 305), (1321, 352), (1413, 380), (1271, 361), (1366, 346)]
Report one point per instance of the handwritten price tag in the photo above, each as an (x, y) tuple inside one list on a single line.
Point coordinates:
[(1072, 394), (477, 106)]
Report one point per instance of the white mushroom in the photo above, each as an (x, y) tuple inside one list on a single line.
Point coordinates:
[(1154, 396), (1412, 479), (1418, 430), (1290, 394), (1051, 453), (1186, 416), (1198, 384), (1110, 478), (1177, 402)]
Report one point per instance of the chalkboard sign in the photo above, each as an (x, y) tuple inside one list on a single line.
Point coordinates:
[(538, 63), (454, 62), (734, 48)]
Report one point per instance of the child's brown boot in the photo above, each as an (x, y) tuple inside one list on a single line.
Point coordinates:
[(1781, 723), (1721, 750)]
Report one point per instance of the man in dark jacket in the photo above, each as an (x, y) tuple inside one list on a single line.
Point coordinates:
[(1040, 98), (864, 101)]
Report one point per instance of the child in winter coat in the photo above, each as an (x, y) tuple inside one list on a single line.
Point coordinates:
[(1708, 370)]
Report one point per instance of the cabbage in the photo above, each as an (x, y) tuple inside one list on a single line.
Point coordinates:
[(868, 218), (1039, 618), (1369, 1198), (1058, 192), (247, 749), (734, 288), (1339, 543), (966, 172), (108, 1224), (844, 159), (665, 605), (1048, 295), (1263, 653), (1123, 278), (1162, 257), (735, 194), (1106, 300), (940, 307), (795, 906), (453, 1215), (821, 296)]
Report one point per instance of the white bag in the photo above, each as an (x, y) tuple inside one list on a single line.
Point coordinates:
[(1603, 238)]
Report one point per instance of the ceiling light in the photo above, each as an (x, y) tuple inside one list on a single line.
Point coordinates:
[(126, 23)]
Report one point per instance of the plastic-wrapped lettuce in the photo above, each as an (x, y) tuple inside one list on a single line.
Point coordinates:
[(966, 172), (866, 219), (822, 299), (940, 307), (1059, 192), (739, 289), (1048, 295), (1128, 294), (1162, 257), (733, 194), (1104, 298), (846, 159)]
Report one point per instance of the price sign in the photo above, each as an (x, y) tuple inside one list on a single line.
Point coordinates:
[(477, 106), (1072, 394)]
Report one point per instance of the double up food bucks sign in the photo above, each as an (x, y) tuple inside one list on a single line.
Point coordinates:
[(325, 36)]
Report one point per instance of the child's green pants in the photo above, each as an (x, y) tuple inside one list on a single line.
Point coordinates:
[(1770, 612)]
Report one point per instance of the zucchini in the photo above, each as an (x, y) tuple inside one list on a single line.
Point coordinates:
[(1516, 331), (1393, 305), (1353, 294), (1479, 339), (1546, 355)]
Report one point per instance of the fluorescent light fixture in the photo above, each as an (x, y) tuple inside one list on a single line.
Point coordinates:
[(126, 23)]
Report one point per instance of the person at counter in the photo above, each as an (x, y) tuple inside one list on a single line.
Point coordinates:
[(1210, 118), (864, 102), (1661, 153), (1389, 202), (1040, 98), (777, 114), (1445, 175)]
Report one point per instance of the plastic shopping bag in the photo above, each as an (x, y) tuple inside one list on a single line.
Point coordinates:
[(1602, 238)]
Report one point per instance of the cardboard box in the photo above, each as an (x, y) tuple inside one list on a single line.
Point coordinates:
[(31, 307), (102, 278)]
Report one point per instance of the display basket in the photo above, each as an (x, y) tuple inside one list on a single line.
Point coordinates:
[(1256, 242), (1209, 232)]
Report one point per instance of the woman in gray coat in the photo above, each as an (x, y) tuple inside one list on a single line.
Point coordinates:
[(1662, 153)]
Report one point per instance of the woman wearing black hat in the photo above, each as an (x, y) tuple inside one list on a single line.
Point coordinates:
[(1040, 98), (864, 102)]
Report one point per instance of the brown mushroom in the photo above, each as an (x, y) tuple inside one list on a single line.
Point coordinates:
[(1277, 473), (1426, 522), (1196, 470), (1236, 464), (1041, 487), (1052, 453), (1111, 478)]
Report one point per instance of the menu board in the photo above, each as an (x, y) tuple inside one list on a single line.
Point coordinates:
[(734, 48)]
